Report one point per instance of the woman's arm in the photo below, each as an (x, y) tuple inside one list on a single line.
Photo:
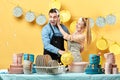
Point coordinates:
[(79, 38), (65, 35), (75, 37)]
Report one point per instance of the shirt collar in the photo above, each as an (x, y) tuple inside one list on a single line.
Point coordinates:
[(53, 26)]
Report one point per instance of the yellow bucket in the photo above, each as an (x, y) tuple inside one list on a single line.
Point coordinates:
[(67, 58)]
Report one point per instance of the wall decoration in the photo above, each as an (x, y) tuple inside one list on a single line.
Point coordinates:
[(93, 35), (55, 4), (65, 15), (114, 48), (102, 44), (91, 22), (110, 19), (30, 16), (41, 19), (17, 11), (73, 26), (100, 21)]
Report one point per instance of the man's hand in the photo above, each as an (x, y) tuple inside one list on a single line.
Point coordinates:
[(61, 52)]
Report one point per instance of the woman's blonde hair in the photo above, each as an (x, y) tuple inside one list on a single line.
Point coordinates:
[(87, 26)]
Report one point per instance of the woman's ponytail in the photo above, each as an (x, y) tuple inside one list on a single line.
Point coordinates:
[(89, 36)]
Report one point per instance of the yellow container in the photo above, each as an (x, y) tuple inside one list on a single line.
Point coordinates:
[(67, 58), (65, 15), (114, 48), (55, 4), (102, 44)]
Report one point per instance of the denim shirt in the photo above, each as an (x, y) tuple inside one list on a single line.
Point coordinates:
[(47, 36)]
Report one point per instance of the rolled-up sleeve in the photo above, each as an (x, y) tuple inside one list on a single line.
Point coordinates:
[(46, 41)]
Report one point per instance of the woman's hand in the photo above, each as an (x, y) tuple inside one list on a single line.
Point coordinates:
[(58, 22), (81, 49)]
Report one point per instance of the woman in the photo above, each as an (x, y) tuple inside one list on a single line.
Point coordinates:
[(76, 41)]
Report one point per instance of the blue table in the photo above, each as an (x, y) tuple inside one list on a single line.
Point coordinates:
[(66, 76)]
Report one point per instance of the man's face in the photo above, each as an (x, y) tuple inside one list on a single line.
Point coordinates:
[(53, 18)]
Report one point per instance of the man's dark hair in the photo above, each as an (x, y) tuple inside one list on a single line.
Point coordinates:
[(54, 10)]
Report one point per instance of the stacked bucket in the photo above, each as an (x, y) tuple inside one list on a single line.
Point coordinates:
[(110, 66), (16, 67), (28, 63)]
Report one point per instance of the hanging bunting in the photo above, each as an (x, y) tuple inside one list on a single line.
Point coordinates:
[(102, 44), (41, 19), (114, 48), (65, 15), (30, 16), (111, 19), (91, 22), (73, 26), (17, 11), (100, 21), (55, 4)]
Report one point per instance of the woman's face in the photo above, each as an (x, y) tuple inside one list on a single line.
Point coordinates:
[(80, 27), (53, 18)]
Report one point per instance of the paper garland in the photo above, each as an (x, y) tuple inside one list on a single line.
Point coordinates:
[(17, 11), (110, 19), (73, 26), (30, 16), (91, 22), (114, 48), (102, 44), (55, 4), (65, 15), (100, 21), (41, 19)]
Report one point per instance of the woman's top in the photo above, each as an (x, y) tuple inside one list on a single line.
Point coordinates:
[(75, 44)]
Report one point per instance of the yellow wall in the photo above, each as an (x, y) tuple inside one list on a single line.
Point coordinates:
[(17, 35)]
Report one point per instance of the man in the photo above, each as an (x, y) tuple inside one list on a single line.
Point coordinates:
[(51, 36)]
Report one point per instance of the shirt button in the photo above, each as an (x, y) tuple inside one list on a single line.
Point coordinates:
[(55, 41)]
